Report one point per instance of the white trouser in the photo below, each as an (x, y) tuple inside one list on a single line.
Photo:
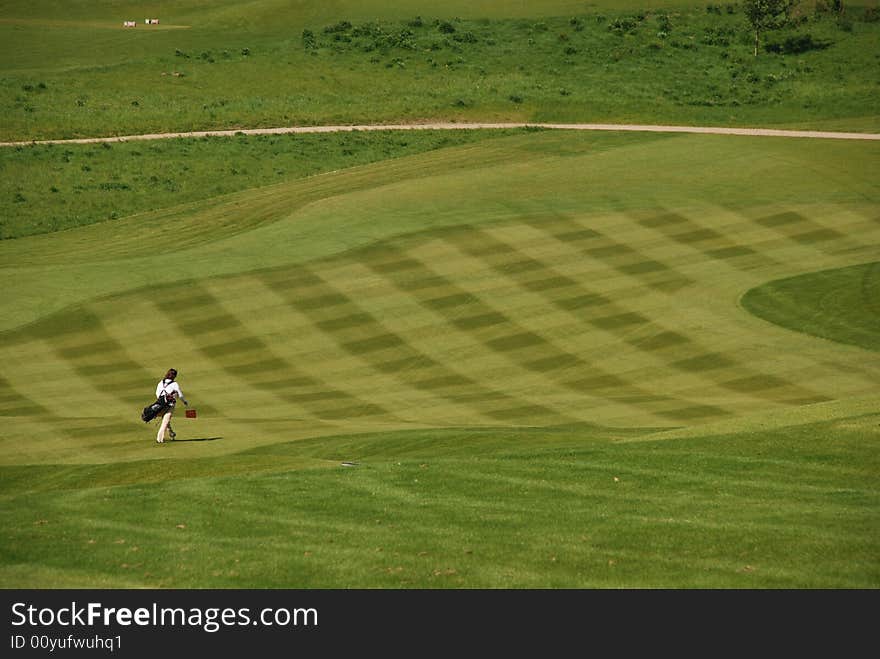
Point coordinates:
[(166, 423)]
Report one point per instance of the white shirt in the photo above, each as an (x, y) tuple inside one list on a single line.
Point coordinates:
[(170, 386)]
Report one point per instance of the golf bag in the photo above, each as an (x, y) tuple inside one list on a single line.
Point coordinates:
[(155, 409)]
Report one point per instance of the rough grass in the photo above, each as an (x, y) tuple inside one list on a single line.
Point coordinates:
[(554, 62), (52, 188)]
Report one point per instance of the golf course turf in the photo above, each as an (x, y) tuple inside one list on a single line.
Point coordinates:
[(551, 358)]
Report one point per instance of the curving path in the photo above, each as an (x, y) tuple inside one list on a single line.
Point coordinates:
[(765, 132)]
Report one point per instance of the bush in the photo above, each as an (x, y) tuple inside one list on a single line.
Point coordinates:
[(664, 24), (621, 26), (796, 44)]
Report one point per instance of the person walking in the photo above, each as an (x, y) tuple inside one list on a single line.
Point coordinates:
[(168, 388)]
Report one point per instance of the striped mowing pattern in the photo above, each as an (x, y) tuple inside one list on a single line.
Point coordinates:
[(542, 320)]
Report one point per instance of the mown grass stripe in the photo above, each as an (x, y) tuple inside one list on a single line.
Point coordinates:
[(661, 338), (250, 360), (684, 231), (387, 352), (80, 339), (526, 349), (15, 403)]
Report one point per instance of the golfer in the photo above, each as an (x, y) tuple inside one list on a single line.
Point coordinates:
[(171, 390)]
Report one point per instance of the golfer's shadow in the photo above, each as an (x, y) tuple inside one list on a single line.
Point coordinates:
[(197, 439)]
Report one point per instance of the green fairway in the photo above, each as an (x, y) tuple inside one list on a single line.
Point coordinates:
[(580, 306), (473, 509), (519, 358)]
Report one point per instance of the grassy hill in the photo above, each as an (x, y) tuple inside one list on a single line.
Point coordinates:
[(524, 359), (73, 70)]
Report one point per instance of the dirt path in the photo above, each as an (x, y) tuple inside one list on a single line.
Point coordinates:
[(765, 132)]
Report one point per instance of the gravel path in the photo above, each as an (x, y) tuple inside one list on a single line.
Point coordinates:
[(766, 132)]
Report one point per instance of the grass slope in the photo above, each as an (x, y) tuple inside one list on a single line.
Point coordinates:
[(533, 347), (48, 188)]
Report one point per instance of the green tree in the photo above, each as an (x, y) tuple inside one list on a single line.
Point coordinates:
[(766, 15)]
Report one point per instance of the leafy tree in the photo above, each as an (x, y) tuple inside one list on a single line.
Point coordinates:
[(766, 15)]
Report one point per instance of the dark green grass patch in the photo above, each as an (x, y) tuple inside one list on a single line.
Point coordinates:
[(790, 508), (841, 305)]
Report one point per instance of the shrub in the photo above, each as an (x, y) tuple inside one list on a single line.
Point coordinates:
[(796, 44), (621, 26), (664, 24)]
